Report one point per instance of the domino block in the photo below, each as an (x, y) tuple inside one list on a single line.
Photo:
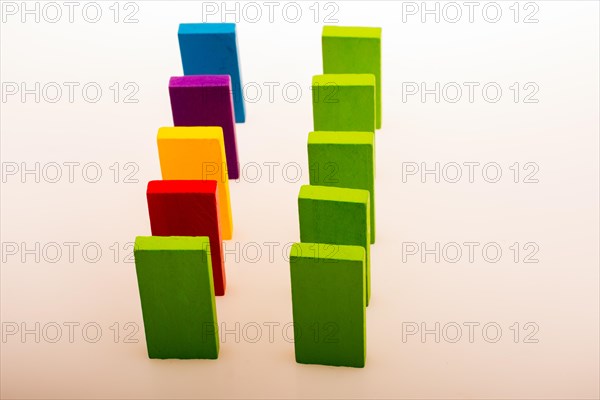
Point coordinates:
[(346, 160), (205, 100), (176, 291), (189, 208), (211, 49), (344, 102), (197, 153), (328, 304), (340, 216), (354, 50)]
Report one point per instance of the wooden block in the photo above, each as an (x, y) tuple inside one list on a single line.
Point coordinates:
[(339, 216), (211, 49), (354, 50), (197, 153), (205, 100), (189, 208), (176, 291), (344, 102), (346, 160), (328, 302)]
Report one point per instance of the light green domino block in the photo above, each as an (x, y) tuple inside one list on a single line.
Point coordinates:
[(328, 302), (354, 50), (339, 216), (344, 159), (177, 295), (344, 102)]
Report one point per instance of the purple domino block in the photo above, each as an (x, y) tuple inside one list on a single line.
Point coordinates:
[(206, 100)]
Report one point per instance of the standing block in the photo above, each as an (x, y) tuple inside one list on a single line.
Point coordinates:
[(339, 216), (346, 160), (344, 102), (328, 301), (205, 100), (189, 208), (211, 49), (176, 291), (354, 50), (197, 153)]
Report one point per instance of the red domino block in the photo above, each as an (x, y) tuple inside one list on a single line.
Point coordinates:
[(189, 208)]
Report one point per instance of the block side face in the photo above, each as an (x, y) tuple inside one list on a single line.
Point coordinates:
[(337, 222), (354, 55), (328, 296), (344, 166), (208, 105), (188, 213), (213, 54), (176, 291), (197, 157), (339, 107), (341, 223)]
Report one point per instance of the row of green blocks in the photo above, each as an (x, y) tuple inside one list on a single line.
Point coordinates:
[(330, 267)]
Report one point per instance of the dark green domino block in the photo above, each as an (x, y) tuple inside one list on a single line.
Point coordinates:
[(344, 159), (354, 50), (328, 302), (178, 300), (332, 215), (344, 102)]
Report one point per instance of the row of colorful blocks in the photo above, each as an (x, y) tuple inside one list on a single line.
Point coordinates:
[(193, 202), (181, 267)]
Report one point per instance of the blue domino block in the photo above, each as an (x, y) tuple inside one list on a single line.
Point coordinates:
[(211, 49)]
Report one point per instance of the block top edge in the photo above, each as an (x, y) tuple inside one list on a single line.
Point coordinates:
[(191, 132), (345, 79), (200, 81), (330, 193), (171, 243), (328, 251), (182, 186), (352, 31), (206, 28), (331, 137)]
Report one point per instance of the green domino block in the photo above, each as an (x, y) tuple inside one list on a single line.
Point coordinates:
[(328, 302), (178, 300), (332, 215), (344, 159), (354, 50), (344, 102)]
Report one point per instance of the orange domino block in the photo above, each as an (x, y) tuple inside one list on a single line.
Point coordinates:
[(188, 153)]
